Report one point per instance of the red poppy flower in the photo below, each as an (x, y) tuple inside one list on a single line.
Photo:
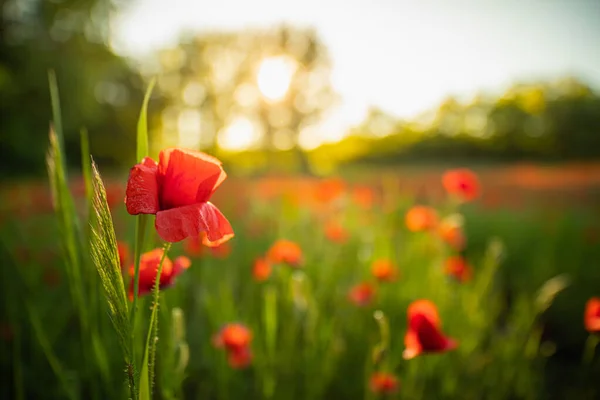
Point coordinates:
[(592, 315), (424, 333), (363, 196), (457, 267), (336, 232), (329, 190), (383, 383), (462, 182), (178, 190), (123, 249), (233, 336), (421, 218), (149, 263), (261, 270), (451, 232), (239, 359), (285, 251), (362, 294), (384, 270)]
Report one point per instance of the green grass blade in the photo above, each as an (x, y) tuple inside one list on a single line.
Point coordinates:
[(67, 222), (56, 114), (106, 258), (86, 165), (54, 362), (142, 127), (147, 371)]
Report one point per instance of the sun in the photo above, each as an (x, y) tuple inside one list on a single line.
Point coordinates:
[(274, 77)]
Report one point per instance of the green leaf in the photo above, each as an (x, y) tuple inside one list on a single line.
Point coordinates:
[(105, 256), (142, 126)]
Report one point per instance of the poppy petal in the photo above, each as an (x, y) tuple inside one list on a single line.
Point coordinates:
[(188, 177), (426, 308), (180, 264), (179, 223), (413, 347), (141, 195)]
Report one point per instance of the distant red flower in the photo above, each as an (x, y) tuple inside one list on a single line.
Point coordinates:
[(285, 251), (123, 249), (261, 270), (383, 383), (363, 196), (114, 194), (178, 190), (452, 233), (421, 218), (424, 333), (336, 232), (239, 359), (362, 294), (384, 270), (235, 338), (329, 190), (592, 315), (457, 267), (149, 263), (462, 183)]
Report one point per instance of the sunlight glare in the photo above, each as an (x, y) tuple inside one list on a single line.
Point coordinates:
[(240, 134), (274, 77)]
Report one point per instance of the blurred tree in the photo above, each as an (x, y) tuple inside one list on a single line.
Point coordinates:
[(244, 90), (539, 121), (98, 89)]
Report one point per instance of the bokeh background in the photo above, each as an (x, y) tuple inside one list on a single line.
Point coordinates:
[(384, 95)]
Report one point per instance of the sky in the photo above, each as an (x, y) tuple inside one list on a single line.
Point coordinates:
[(398, 55)]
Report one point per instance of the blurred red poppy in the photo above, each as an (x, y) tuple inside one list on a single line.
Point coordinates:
[(123, 249), (178, 190), (592, 315), (335, 232), (462, 183), (285, 251), (363, 196), (457, 267), (149, 263), (329, 190), (362, 294), (424, 333), (261, 270), (383, 383), (239, 359), (384, 270), (421, 218), (451, 232), (235, 338)]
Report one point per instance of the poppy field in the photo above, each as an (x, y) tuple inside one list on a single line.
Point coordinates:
[(343, 287)]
